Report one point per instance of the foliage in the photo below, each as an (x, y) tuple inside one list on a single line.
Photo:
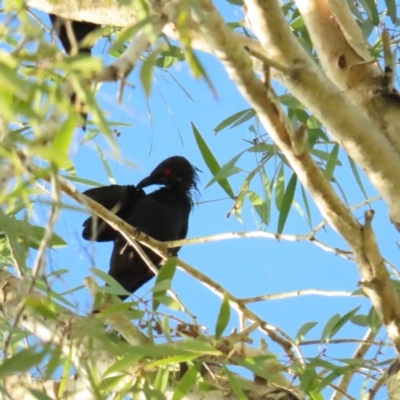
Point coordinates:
[(152, 345)]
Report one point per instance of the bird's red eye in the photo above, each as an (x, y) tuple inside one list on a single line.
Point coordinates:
[(167, 172)]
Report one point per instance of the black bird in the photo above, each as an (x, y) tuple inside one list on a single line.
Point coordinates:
[(162, 214), (80, 30)]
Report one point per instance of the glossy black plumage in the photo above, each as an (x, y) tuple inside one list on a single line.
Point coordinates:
[(162, 214), (80, 30), (116, 198)]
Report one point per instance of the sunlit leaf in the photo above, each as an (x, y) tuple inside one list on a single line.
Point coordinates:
[(211, 161), (223, 317), (304, 329), (165, 275), (232, 119)]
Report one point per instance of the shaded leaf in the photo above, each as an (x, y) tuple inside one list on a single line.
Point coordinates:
[(22, 361), (332, 160), (187, 382), (165, 275), (287, 202)]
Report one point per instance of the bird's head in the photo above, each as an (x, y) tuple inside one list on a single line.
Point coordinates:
[(173, 172)]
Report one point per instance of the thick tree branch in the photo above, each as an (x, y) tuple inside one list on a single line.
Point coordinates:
[(376, 280), (121, 15), (345, 57), (348, 124)]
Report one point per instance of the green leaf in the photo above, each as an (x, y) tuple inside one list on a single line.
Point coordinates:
[(237, 208), (266, 367), (126, 35), (187, 382), (290, 101), (106, 166), (392, 10), (360, 320), (327, 332), (313, 122), (62, 143), (22, 361), (226, 170), (169, 57), (169, 302), (211, 161), (347, 317), (260, 206), (372, 11), (307, 206), (197, 68), (146, 72), (10, 80), (309, 378), (172, 360), (357, 176), (280, 187), (39, 395), (83, 181), (123, 363), (324, 155), (111, 382), (332, 160), (287, 202), (114, 286), (336, 322), (244, 118), (25, 231), (235, 385), (232, 119), (162, 377), (304, 329), (374, 322), (262, 148), (199, 346), (42, 307), (165, 275), (223, 317)]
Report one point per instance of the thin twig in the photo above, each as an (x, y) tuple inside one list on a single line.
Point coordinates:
[(296, 293)]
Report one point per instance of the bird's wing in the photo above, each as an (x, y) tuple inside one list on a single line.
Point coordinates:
[(116, 198)]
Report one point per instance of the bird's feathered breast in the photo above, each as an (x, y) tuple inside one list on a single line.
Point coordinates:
[(162, 214)]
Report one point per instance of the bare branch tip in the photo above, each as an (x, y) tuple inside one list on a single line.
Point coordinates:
[(369, 215)]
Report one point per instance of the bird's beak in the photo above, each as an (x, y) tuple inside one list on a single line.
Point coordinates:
[(151, 180)]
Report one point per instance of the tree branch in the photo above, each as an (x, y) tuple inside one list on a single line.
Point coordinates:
[(347, 123), (376, 280)]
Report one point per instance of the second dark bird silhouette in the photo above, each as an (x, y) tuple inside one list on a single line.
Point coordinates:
[(80, 29), (162, 214)]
